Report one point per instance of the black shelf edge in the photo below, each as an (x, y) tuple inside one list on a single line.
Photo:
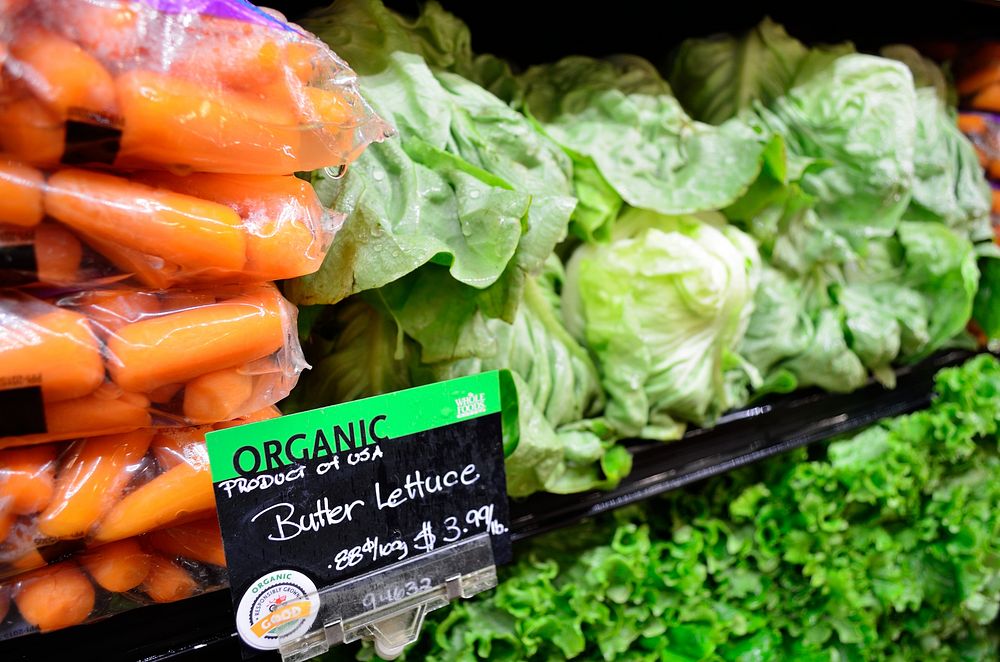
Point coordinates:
[(739, 438), (201, 628)]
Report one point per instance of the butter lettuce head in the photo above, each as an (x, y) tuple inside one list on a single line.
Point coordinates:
[(662, 308), (468, 185)]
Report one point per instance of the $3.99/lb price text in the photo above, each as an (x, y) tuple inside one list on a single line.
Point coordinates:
[(428, 538)]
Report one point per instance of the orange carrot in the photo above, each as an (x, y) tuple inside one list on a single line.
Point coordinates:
[(172, 121), (971, 123), (61, 74), (978, 78), (29, 560), (57, 345), (265, 414), (7, 519), (58, 254), (118, 566), (165, 393), (173, 446), (93, 415), (282, 218), (20, 194), (27, 477), (988, 98), (217, 396), (996, 201), (92, 477), (152, 272), (31, 132), (198, 541), (179, 494), (192, 233), (167, 581), (110, 310), (180, 346), (54, 597)]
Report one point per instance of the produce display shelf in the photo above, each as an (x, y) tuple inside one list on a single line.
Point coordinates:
[(201, 628)]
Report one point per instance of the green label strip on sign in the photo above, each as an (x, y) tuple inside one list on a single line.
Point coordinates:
[(266, 445)]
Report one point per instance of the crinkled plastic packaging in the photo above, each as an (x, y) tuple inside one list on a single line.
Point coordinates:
[(114, 360), (183, 85), (73, 226), (59, 498), (163, 566)]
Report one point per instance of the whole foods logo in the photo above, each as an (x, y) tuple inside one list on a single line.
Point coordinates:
[(470, 405), (280, 604)]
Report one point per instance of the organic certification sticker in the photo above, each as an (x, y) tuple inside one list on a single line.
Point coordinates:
[(282, 602)]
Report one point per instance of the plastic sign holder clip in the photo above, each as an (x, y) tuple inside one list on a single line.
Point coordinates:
[(387, 606)]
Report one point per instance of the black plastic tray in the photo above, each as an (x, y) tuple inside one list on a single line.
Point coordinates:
[(202, 628)]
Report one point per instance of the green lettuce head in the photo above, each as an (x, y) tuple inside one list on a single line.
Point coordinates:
[(662, 307)]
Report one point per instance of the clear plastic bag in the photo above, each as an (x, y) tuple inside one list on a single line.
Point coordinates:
[(184, 85), (56, 499), (160, 228), (162, 566), (114, 360)]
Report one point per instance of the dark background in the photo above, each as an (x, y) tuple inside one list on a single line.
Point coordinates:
[(529, 32)]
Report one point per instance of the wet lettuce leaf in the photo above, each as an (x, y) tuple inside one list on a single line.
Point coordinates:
[(662, 307)]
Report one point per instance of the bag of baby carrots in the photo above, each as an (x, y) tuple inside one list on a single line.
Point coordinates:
[(58, 498), (71, 226), (114, 360), (192, 85), (162, 566)]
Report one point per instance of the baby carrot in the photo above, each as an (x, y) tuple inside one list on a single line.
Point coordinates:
[(118, 566), (172, 121), (31, 132), (180, 493), (93, 475), (152, 272), (198, 541), (265, 414), (167, 581), (971, 123), (60, 73), (165, 394), (988, 98), (7, 519), (111, 309), (20, 193), (283, 219), (180, 346), (93, 415), (217, 396), (54, 597), (192, 233), (29, 560), (58, 254), (27, 478), (173, 446), (54, 344)]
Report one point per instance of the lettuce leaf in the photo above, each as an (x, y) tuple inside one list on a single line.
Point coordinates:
[(469, 184), (882, 547), (662, 307), (632, 142)]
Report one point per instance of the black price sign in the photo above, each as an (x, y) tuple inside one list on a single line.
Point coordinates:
[(313, 499)]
